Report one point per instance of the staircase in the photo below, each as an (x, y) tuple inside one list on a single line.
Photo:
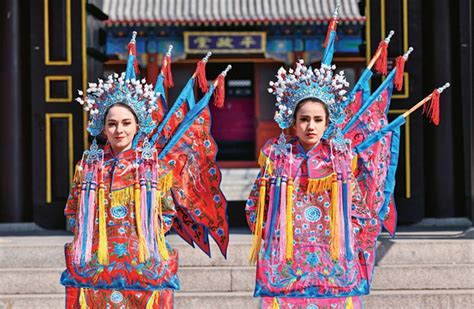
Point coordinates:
[(418, 270)]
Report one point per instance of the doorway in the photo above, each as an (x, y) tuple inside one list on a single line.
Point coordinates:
[(233, 125)]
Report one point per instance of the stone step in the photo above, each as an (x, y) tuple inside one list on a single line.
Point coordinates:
[(237, 182), (238, 278), (426, 299), (48, 252)]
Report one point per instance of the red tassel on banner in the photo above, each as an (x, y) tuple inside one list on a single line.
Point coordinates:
[(201, 76), (332, 27), (400, 66), (431, 109), (381, 63), (132, 49), (219, 92), (166, 70)]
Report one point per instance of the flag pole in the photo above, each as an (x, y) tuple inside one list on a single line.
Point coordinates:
[(379, 51), (426, 99), (224, 73), (204, 60)]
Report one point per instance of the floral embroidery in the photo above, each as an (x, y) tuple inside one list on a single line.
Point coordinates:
[(119, 212), (312, 259), (120, 249), (312, 214), (116, 297)]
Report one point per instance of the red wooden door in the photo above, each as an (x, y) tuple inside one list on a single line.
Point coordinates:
[(266, 127)]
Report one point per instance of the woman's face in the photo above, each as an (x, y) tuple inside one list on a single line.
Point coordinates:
[(120, 128), (311, 122)]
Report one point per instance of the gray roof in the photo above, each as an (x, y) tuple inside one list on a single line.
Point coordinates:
[(230, 12)]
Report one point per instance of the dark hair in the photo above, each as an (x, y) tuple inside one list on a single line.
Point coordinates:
[(121, 104), (311, 99)]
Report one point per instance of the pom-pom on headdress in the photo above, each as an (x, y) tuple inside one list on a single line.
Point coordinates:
[(124, 88), (297, 84)]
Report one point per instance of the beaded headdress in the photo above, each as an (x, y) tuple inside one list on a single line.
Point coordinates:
[(123, 88), (302, 82), (297, 84), (136, 94)]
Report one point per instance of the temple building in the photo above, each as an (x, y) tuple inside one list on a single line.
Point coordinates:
[(54, 47)]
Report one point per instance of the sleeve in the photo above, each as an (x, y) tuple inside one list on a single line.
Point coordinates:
[(70, 211), (168, 210)]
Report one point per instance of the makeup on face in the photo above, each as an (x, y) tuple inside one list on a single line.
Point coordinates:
[(120, 128), (311, 122)]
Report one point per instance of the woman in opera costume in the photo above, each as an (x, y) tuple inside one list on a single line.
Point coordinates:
[(325, 190), (128, 195)]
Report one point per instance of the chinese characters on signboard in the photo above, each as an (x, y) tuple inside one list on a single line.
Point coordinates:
[(224, 42)]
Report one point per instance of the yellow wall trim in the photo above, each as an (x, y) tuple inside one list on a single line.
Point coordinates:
[(406, 76), (69, 117), (47, 59), (85, 116), (47, 86)]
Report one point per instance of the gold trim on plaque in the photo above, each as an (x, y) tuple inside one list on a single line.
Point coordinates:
[(186, 35)]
